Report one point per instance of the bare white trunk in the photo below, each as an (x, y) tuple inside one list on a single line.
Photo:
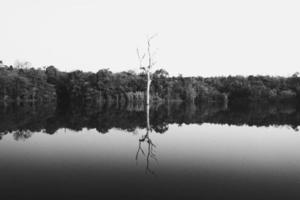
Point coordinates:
[(148, 87), (148, 118)]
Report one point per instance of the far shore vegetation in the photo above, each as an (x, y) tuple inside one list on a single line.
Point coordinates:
[(23, 83)]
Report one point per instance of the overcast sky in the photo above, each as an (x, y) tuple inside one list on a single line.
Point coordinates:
[(207, 38)]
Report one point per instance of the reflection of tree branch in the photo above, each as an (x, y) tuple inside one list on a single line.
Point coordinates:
[(138, 151), (151, 146), (150, 153)]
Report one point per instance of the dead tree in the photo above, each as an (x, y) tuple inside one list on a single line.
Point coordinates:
[(148, 66)]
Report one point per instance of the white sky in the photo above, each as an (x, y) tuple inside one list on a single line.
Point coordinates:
[(206, 38)]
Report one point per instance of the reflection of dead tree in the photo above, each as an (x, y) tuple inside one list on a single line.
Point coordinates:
[(150, 151), (146, 138)]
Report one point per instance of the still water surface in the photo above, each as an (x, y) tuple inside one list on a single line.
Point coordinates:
[(187, 160)]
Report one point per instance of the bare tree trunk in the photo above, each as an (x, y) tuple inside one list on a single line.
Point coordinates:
[(148, 87), (148, 118)]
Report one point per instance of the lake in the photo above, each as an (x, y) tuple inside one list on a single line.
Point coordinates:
[(187, 152)]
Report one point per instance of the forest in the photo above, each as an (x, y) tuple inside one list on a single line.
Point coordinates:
[(23, 121), (21, 84)]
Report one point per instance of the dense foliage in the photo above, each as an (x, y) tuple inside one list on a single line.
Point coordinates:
[(29, 84), (129, 86), (23, 121), (25, 85)]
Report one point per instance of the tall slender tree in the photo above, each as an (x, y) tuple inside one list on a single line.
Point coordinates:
[(146, 67)]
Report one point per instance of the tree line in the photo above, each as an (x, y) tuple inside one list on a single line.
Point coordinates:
[(24, 84), (23, 121)]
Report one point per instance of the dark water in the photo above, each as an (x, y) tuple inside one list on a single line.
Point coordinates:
[(191, 152)]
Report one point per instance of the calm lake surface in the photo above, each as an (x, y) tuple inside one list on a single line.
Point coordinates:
[(191, 152)]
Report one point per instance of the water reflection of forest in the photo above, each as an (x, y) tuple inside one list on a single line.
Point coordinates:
[(23, 120)]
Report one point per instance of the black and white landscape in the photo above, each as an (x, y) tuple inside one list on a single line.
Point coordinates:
[(149, 99)]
